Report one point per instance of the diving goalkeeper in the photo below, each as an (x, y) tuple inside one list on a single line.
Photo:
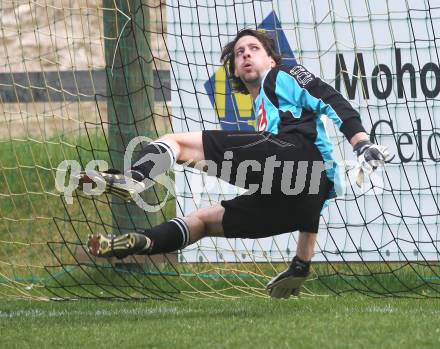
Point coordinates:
[(289, 172)]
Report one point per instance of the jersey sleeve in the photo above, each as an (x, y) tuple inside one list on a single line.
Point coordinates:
[(299, 86)]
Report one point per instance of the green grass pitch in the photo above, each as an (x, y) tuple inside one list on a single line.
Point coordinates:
[(309, 322), (351, 321)]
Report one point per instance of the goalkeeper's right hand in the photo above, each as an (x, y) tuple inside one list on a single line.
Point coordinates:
[(286, 284), (289, 282), (370, 156)]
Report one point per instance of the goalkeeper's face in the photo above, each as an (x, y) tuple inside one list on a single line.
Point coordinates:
[(251, 60)]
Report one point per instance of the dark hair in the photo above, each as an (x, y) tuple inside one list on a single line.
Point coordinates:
[(228, 55)]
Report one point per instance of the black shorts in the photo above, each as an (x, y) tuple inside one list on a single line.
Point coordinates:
[(275, 202)]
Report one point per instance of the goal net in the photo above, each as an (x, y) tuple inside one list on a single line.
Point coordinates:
[(80, 79)]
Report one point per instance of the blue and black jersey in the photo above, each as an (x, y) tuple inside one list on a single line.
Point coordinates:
[(293, 99)]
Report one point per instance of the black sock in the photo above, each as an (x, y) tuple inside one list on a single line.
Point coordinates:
[(299, 266), (168, 237), (153, 159)]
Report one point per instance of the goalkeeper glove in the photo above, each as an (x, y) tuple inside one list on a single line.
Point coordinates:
[(289, 282), (370, 156)]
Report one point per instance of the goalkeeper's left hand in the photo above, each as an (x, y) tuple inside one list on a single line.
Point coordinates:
[(370, 156)]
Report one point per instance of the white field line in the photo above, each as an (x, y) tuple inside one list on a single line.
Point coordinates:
[(38, 313)]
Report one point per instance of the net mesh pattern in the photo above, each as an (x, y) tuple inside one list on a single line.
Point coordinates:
[(80, 79)]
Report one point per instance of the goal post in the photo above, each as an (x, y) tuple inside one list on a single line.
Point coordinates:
[(130, 102)]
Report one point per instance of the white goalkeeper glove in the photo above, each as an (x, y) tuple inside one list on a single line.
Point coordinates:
[(370, 156), (289, 282)]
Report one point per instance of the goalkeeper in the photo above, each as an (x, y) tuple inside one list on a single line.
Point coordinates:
[(288, 163)]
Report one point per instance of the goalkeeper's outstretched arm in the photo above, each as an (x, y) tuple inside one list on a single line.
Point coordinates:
[(321, 98)]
